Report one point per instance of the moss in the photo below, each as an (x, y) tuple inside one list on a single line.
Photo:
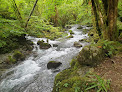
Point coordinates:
[(71, 32), (40, 42), (43, 45), (90, 55), (80, 27), (52, 61), (93, 36), (76, 83), (72, 63), (10, 60), (18, 55), (71, 36), (77, 65)]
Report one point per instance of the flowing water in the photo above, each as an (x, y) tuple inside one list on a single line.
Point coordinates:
[(32, 74)]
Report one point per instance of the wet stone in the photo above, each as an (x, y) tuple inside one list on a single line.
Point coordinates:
[(53, 64)]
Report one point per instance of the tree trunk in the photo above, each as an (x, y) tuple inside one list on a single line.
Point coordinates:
[(56, 17), (112, 19), (105, 14), (94, 10), (26, 24), (17, 12)]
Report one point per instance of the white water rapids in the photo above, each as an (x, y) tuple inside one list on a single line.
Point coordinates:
[(32, 74)]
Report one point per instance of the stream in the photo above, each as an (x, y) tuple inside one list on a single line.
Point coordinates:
[(32, 74)]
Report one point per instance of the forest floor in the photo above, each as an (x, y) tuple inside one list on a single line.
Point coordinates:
[(111, 69)]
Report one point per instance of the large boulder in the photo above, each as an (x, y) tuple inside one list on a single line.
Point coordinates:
[(53, 64), (90, 55), (43, 45), (77, 44)]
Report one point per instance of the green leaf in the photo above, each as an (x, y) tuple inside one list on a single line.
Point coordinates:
[(92, 87), (77, 89), (66, 85)]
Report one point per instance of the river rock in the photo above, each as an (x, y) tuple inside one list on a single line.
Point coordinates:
[(68, 27), (53, 64), (80, 27), (77, 44), (81, 40), (43, 45), (90, 55), (71, 32), (71, 36), (55, 45), (39, 42)]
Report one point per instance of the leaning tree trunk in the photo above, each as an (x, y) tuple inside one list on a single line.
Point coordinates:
[(17, 12), (26, 24)]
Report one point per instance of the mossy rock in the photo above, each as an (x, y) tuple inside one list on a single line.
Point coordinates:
[(77, 44), (68, 27), (86, 31), (80, 27), (43, 45), (55, 45), (53, 64), (71, 36), (40, 42), (93, 35), (71, 32), (18, 55), (90, 55), (81, 40), (85, 40), (89, 24)]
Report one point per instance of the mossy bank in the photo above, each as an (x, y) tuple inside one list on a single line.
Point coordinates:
[(15, 55), (81, 76)]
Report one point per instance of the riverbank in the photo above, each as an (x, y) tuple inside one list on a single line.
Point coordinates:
[(16, 56), (90, 78), (96, 68)]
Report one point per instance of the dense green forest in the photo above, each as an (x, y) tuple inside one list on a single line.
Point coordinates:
[(47, 20), (50, 19)]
